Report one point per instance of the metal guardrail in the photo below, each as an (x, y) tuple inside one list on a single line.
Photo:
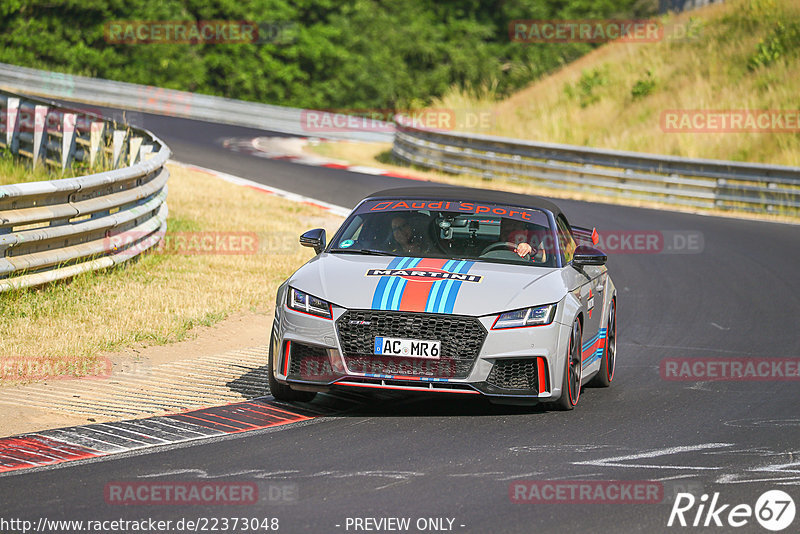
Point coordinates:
[(679, 6), (150, 99), (56, 229), (670, 180)]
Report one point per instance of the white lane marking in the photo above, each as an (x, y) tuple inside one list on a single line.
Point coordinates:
[(187, 427), (587, 475), (756, 423), (790, 468), (700, 386), (116, 435), (720, 327), (674, 477), (735, 478), (695, 349), (72, 438), (123, 430), (559, 448), (617, 461), (366, 170), (478, 475), (521, 476), (238, 180), (199, 472)]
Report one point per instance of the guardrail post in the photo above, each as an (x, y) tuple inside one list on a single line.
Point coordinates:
[(116, 147), (135, 145), (97, 129), (39, 134), (12, 124), (145, 152), (67, 140)]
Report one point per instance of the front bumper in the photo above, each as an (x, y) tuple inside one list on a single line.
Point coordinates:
[(316, 353)]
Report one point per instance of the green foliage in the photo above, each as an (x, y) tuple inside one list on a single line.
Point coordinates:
[(783, 40), (643, 86), (330, 53), (585, 88)]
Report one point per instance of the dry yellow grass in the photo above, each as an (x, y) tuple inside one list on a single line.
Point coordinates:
[(161, 297), (709, 70)]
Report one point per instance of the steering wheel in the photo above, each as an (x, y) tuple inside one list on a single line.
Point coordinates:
[(507, 245)]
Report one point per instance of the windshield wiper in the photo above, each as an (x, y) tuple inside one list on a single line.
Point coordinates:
[(369, 251)]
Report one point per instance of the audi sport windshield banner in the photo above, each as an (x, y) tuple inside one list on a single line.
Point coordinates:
[(467, 208)]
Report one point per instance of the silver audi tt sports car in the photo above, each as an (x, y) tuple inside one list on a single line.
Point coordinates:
[(448, 290)]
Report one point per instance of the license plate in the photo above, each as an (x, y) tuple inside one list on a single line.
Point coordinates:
[(411, 348)]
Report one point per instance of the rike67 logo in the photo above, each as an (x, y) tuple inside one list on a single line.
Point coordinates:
[(774, 510)]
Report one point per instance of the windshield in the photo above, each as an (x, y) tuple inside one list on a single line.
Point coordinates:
[(448, 229)]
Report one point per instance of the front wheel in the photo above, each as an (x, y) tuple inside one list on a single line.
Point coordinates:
[(282, 391), (571, 383), (606, 373)]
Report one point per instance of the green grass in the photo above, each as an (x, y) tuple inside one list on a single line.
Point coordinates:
[(18, 170)]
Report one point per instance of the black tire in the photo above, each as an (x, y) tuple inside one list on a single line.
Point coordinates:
[(571, 383), (605, 375), (280, 391)]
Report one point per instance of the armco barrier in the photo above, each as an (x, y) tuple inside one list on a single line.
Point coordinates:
[(671, 180), (56, 229), (174, 103)]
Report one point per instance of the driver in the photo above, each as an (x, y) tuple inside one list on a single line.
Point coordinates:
[(517, 232), (404, 238)]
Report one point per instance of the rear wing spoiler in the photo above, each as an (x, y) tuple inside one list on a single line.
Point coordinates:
[(584, 236)]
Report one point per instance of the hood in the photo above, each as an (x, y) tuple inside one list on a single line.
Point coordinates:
[(427, 284)]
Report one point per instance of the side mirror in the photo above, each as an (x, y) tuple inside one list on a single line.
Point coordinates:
[(586, 255), (314, 238)]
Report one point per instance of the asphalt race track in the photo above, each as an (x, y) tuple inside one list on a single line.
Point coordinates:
[(438, 457)]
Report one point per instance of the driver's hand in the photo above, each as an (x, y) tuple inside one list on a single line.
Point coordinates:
[(523, 249)]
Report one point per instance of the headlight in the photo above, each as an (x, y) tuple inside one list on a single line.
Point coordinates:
[(305, 303), (538, 316)]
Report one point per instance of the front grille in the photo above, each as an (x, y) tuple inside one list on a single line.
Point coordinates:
[(309, 363), (461, 341), (514, 374)]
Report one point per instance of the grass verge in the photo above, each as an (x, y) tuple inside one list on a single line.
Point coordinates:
[(18, 170), (161, 297)]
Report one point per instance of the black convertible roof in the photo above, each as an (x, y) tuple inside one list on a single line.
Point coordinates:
[(469, 194)]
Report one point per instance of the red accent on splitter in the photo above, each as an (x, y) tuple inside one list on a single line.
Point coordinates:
[(286, 358)]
